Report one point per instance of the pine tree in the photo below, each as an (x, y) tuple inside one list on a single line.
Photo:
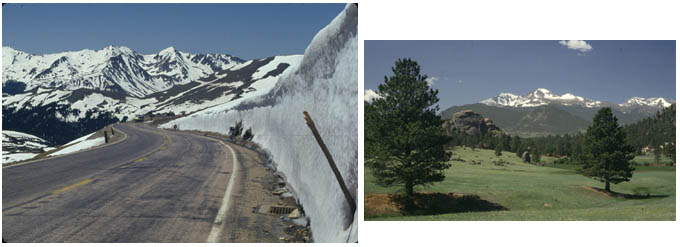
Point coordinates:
[(500, 146), (535, 155), (404, 140), (606, 154)]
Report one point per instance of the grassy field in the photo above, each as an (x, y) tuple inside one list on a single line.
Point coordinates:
[(529, 192), (649, 159)]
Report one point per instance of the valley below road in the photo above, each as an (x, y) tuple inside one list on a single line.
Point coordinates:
[(154, 186)]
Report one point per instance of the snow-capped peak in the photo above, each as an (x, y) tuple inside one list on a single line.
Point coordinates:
[(542, 93), (543, 90), (639, 101), (544, 96), (167, 51)]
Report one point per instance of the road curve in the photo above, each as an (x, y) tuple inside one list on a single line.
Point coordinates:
[(155, 186)]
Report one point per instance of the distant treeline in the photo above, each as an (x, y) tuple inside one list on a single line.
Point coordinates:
[(42, 121), (657, 132)]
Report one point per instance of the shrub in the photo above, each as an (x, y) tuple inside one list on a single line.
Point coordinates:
[(248, 135), (236, 130)]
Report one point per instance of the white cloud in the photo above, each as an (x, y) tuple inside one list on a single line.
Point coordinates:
[(369, 95), (578, 45), (430, 80)]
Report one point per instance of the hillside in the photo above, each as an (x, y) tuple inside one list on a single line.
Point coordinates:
[(549, 119), (504, 117), (654, 131), (527, 121)]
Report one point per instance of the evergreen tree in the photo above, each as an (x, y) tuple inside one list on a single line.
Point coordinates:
[(404, 140), (514, 144), (606, 154), (498, 150), (670, 151), (535, 155)]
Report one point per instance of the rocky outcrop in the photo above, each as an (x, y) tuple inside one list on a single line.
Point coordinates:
[(470, 123)]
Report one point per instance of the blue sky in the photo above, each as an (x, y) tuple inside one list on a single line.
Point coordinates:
[(244, 30), (471, 71)]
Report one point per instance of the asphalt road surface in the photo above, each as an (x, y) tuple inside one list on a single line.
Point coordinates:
[(155, 186)]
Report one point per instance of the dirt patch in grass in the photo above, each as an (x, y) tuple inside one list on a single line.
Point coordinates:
[(426, 203), (380, 205)]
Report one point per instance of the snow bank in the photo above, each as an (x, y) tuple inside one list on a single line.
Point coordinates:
[(80, 146), (325, 85), (82, 138)]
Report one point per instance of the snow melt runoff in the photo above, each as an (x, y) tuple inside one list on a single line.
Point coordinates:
[(325, 85)]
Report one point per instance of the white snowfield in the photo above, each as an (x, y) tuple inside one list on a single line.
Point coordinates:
[(80, 144), (543, 96), (324, 84), (27, 142)]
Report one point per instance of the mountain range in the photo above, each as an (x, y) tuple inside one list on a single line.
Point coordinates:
[(80, 91), (543, 112), (544, 96), (116, 69)]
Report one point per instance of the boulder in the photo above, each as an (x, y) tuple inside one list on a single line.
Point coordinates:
[(470, 123)]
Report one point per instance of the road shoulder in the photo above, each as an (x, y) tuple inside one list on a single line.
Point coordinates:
[(260, 192)]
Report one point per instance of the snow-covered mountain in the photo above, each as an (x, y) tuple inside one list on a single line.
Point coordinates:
[(543, 96), (324, 83), (116, 69)]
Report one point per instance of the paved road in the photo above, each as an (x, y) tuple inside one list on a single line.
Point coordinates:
[(155, 186)]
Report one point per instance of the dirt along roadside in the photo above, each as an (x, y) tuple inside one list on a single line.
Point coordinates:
[(263, 209)]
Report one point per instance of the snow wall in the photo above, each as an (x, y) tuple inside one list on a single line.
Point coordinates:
[(324, 84)]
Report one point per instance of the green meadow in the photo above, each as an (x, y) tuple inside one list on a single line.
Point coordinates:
[(530, 192)]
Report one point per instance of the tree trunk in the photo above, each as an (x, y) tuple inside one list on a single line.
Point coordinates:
[(410, 204), (606, 186), (409, 190)]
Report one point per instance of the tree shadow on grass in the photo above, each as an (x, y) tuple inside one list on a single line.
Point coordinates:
[(443, 203), (641, 193)]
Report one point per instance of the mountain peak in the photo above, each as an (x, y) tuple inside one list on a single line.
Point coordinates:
[(113, 50), (543, 90), (542, 93), (169, 50)]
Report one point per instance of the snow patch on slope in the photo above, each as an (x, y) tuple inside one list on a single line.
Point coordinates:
[(79, 145), (17, 146), (325, 85)]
